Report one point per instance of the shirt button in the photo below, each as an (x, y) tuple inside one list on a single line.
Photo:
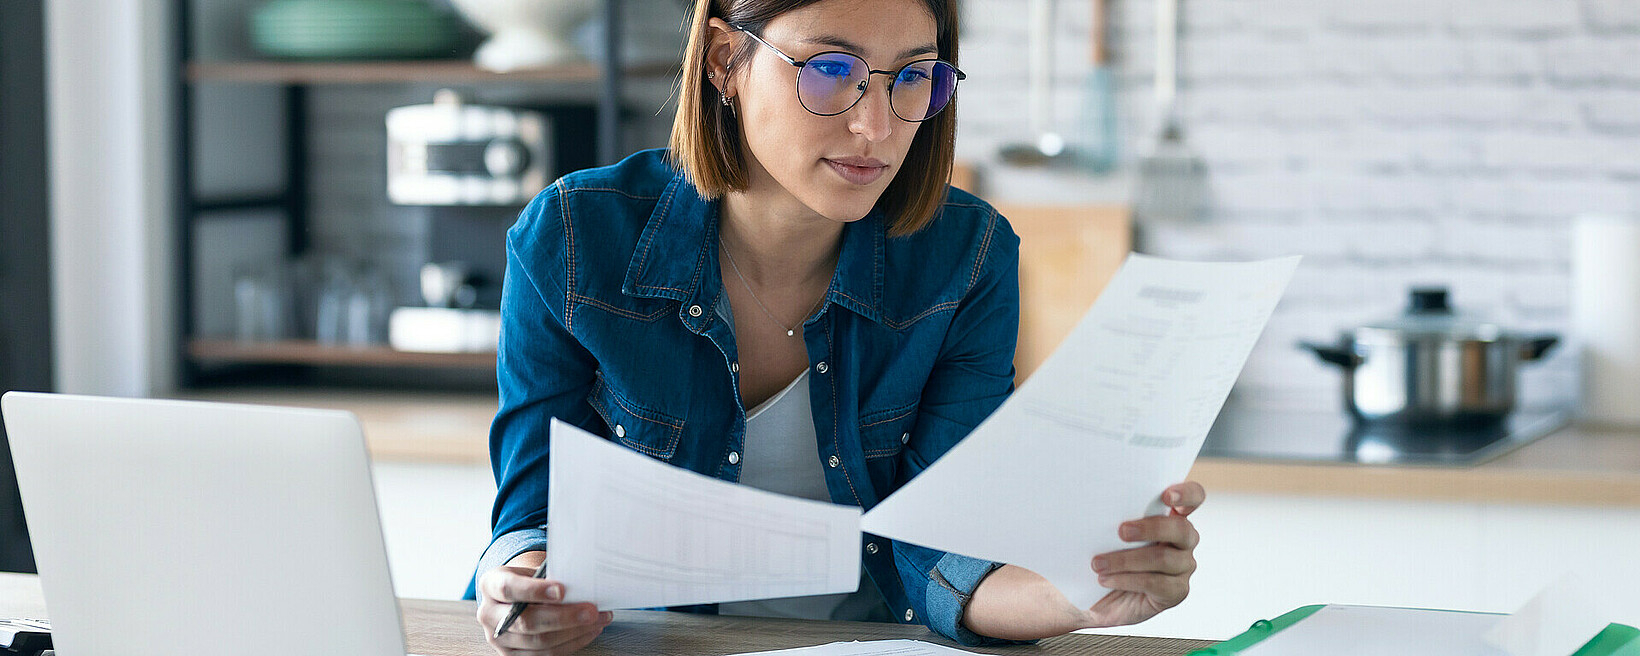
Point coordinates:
[(734, 367), (833, 461), (908, 615), (620, 431), (821, 368), (734, 457), (694, 311), (871, 547), (905, 438)]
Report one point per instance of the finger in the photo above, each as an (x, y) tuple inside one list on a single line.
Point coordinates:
[(1156, 558), (569, 641), (534, 633), (1185, 497), (510, 587), (1166, 591), (552, 618), (1170, 529), (556, 642)]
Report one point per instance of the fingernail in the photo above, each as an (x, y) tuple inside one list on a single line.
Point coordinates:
[(1099, 564), (555, 593), (586, 616), (1129, 532), (1172, 498), (607, 616)]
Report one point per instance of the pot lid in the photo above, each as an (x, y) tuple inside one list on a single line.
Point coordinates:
[(1429, 315)]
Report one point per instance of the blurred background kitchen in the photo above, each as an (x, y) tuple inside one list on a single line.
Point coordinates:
[(303, 202)]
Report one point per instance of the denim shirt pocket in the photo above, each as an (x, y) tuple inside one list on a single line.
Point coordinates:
[(884, 433), (650, 432)]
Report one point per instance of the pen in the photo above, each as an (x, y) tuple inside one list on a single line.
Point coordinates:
[(518, 606)]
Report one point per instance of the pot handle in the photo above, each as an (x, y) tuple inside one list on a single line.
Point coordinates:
[(1535, 347), (1334, 355)]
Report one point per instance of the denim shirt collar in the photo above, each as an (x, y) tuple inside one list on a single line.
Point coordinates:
[(676, 258)]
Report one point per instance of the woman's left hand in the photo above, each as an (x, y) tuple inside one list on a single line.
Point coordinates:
[(1147, 580)]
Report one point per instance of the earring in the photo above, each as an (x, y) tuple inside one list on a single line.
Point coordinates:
[(711, 75), (724, 98)]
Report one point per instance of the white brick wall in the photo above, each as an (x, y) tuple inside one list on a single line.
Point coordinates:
[(1393, 142)]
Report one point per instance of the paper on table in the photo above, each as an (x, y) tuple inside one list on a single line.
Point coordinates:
[(870, 648), (1112, 418), (1339, 630), (1562, 617), (625, 531)]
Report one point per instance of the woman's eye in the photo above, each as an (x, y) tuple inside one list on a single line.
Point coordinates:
[(914, 76), (830, 68)]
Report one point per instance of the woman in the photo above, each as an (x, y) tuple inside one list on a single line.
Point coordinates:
[(865, 320)]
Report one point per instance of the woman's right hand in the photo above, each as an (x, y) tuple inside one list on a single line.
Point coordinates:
[(547, 626)]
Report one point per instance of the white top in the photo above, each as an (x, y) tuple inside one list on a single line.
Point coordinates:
[(781, 455)]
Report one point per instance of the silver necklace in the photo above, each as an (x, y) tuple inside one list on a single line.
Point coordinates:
[(790, 331)]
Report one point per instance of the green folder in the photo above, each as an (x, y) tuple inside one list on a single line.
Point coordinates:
[(1615, 640)]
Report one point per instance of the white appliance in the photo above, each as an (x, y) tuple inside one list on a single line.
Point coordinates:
[(172, 527), (450, 152)]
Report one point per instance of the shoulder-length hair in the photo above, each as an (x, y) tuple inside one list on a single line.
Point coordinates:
[(706, 142)]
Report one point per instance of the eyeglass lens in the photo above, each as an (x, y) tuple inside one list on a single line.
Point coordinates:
[(831, 83)]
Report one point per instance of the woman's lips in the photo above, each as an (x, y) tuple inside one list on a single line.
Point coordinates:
[(860, 175)]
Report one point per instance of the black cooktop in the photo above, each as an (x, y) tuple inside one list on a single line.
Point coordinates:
[(1335, 437)]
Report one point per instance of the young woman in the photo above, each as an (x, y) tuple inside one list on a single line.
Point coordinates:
[(789, 297)]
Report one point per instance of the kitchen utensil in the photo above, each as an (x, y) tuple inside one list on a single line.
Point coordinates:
[(1606, 316), (1098, 148), (1049, 146), (1431, 365), (1172, 184), (526, 33), (332, 29)]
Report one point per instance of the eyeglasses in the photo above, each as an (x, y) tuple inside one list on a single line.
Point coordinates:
[(831, 83)]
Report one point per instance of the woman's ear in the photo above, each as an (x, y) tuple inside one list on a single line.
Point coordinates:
[(720, 45)]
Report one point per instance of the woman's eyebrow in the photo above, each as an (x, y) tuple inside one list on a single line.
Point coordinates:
[(845, 44)]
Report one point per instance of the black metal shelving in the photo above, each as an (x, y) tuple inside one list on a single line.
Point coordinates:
[(295, 79)]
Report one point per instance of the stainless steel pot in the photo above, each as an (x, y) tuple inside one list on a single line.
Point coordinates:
[(1431, 365)]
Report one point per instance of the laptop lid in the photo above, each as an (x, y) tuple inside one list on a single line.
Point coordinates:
[(166, 527)]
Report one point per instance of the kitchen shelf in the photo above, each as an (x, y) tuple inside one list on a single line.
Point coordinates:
[(398, 71), (227, 351), (300, 84)]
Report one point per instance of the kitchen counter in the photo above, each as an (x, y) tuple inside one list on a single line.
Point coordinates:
[(436, 427), (1580, 465)]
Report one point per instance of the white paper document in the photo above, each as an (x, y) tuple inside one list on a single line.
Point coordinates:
[(1112, 418), (1562, 617), (626, 531), (1339, 630), (870, 648)]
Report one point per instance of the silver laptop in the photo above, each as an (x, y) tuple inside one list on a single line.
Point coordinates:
[(170, 527)]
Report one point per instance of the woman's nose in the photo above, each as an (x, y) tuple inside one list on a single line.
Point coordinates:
[(872, 117)]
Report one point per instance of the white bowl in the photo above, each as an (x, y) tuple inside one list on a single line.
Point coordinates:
[(526, 33)]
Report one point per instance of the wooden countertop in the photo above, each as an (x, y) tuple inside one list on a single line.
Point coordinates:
[(438, 427), (1579, 465)]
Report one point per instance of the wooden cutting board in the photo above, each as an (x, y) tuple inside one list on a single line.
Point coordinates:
[(1066, 256)]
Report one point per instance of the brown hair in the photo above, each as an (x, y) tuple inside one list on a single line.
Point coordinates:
[(706, 141)]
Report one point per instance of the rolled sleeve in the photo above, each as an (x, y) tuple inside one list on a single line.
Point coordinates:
[(509, 545), (950, 588)]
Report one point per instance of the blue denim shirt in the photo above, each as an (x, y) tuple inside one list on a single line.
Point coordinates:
[(609, 322)]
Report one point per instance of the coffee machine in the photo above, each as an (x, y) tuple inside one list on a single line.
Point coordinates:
[(470, 168)]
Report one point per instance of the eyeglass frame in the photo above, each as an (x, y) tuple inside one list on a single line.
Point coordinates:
[(869, 72)]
